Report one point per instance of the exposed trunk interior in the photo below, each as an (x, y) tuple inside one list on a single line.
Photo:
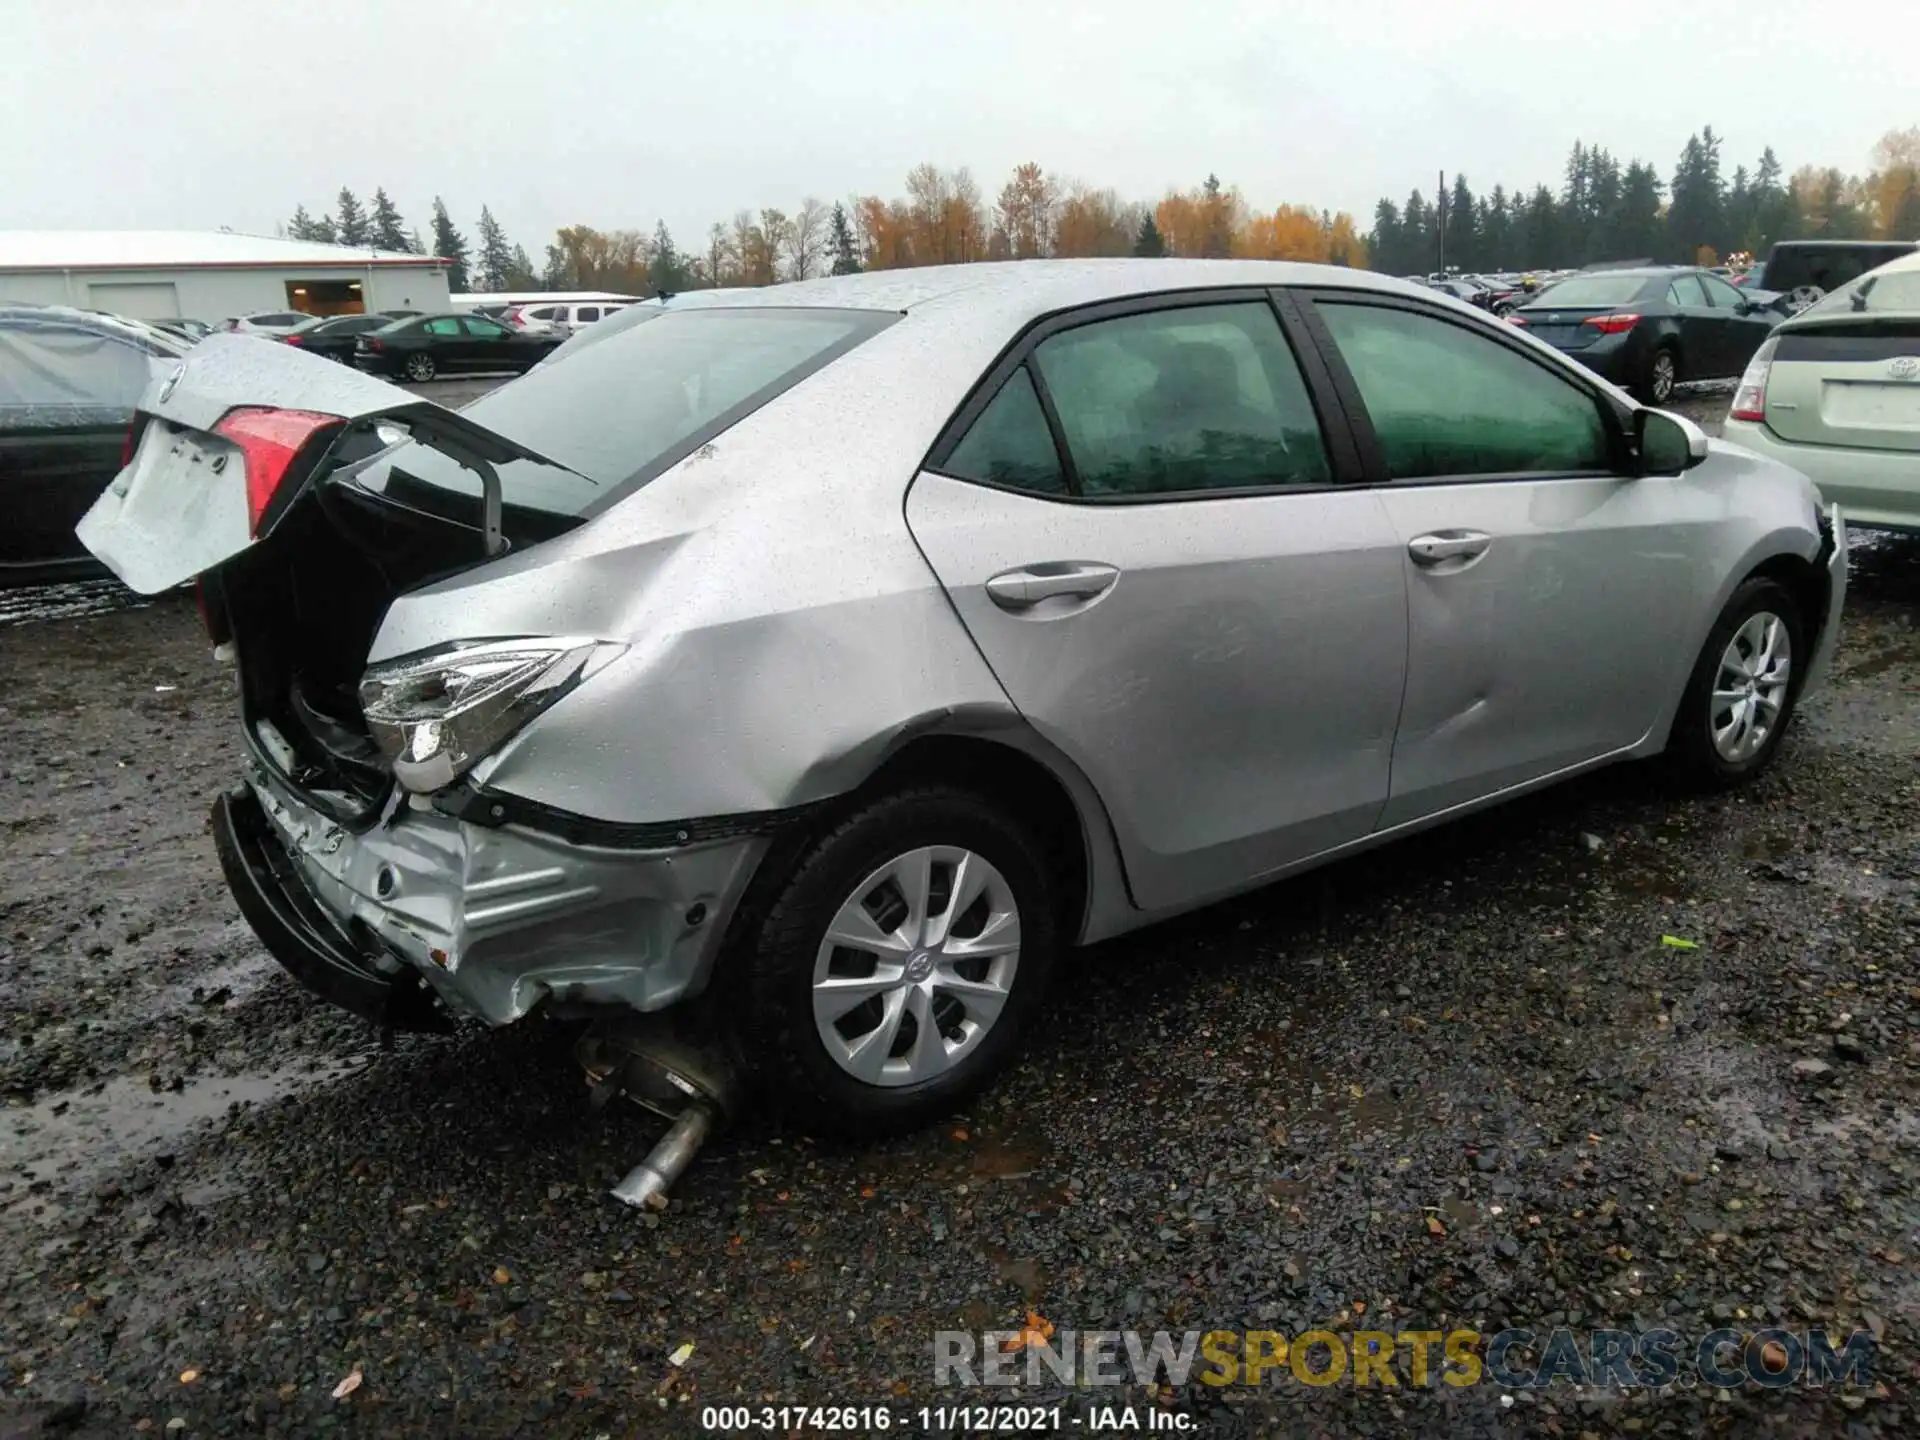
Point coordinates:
[(301, 609)]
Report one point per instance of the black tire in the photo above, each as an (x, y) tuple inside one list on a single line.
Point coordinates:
[(420, 367), (1657, 382), (777, 1035), (1691, 753)]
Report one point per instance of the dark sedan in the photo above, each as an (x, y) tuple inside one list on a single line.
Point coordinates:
[(1651, 328), (69, 381), (430, 345), (333, 336)]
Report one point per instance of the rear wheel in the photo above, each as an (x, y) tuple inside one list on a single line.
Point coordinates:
[(1801, 296), (1742, 691), (891, 978), (1663, 373), (420, 366)]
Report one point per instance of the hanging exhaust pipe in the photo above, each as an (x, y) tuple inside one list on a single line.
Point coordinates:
[(650, 1063)]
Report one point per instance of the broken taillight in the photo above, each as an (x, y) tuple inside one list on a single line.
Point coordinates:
[(270, 441)]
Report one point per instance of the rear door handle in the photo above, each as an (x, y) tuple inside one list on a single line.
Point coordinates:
[(1026, 587), (1448, 545)]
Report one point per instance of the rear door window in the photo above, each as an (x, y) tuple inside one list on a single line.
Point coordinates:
[(1446, 401), (1183, 400), (582, 314), (445, 325), (1720, 294), (1687, 294), (483, 329)]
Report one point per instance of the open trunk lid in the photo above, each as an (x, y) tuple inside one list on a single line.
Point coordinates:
[(197, 491)]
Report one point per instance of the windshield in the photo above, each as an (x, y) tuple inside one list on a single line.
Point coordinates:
[(1592, 290), (1892, 289), (619, 413)]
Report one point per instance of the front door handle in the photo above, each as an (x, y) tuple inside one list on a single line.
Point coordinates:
[(1444, 545), (1026, 587)]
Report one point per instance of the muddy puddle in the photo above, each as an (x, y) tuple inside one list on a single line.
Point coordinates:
[(68, 1142)]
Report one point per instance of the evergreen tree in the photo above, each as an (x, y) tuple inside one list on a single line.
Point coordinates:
[(1217, 243), (450, 245), (300, 227), (520, 272), (389, 233), (1496, 231), (1636, 231), (1541, 242), (496, 257), (556, 274), (846, 256), (666, 266), (1775, 215), (1574, 215), (1386, 242), (352, 224), (1604, 182), (1148, 243), (322, 229), (1463, 240), (1694, 213), (1417, 235)]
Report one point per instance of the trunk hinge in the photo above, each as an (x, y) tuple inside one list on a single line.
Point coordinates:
[(492, 541)]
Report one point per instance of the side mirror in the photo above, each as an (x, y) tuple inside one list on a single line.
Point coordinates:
[(1665, 443)]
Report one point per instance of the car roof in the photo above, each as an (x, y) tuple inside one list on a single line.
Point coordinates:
[(99, 322), (1017, 291)]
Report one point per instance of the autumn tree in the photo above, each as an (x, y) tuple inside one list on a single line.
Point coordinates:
[(840, 244), (1093, 222), (387, 229), (716, 264), (886, 233), (1026, 212), (754, 252), (351, 221), (1895, 185)]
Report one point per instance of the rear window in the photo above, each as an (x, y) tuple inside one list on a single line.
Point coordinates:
[(620, 412), (1894, 290), (53, 377), (1592, 290)]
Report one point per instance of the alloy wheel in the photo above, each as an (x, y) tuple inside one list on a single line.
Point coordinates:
[(916, 966), (1663, 377), (420, 367), (1750, 687)]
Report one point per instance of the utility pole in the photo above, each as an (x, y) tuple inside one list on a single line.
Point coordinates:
[(1440, 224)]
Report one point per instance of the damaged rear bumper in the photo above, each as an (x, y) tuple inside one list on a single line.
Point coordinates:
[(496, 921)]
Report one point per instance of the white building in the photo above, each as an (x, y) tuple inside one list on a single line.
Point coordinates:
[(210, 275)]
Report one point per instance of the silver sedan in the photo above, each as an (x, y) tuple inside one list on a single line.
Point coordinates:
[(822, 662)]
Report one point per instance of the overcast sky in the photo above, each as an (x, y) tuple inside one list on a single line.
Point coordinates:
[(200, 113)]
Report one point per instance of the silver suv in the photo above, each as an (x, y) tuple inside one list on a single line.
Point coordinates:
[(823, 661)]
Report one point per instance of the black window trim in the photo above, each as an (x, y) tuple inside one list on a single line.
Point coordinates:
[(1617, 418), (1342, 456)]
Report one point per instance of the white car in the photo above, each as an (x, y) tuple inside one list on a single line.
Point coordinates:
[(558, 318), (268, 322), (1835, 393)]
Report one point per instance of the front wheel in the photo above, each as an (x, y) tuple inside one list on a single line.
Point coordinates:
[(420, 367), (1743, 688), (891, 978)]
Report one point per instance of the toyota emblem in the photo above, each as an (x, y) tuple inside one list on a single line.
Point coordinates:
[(166, 389), (1905, 367)]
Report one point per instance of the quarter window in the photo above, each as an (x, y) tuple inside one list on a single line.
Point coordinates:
[(1010, 444), (1447, 401), (1184, 400)]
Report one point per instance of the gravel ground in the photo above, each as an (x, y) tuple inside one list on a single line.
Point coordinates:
[(1460, 1081)]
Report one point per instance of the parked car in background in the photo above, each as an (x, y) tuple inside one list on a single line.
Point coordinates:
[(1754, 277), (1651, 328), (267, 322), (421, 347), (1805, 270), (333, 335), (188, 330), (561, 318), (69, 381), (1835, 393), (1174, 577)]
